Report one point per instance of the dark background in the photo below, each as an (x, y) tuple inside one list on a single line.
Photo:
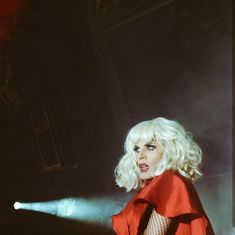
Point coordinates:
[(85, 74)]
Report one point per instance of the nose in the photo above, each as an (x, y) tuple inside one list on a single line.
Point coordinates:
[(142, 154)]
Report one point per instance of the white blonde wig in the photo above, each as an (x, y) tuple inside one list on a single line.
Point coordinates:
[(180, 152)]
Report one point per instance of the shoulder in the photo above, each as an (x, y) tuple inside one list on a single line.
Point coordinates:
[(173, 194), (172, 174), (170, 178), (169, 185)]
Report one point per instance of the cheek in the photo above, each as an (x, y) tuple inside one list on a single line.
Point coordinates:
[(156, 158)]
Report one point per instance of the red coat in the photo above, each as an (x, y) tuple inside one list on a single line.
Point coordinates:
[(173, 196)]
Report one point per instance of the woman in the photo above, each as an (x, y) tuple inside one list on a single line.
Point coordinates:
[(161, 160)]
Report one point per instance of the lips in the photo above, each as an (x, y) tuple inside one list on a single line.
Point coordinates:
[(143, 167)]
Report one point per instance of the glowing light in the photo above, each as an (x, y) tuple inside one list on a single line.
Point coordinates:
[(17, 205), (95, 210)]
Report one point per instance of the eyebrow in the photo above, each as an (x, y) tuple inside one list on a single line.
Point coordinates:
[(149, 143)]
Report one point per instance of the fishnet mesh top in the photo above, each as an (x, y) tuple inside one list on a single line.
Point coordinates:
[(157, 224)]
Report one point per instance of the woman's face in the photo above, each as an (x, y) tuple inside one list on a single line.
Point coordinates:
[(147, 156)]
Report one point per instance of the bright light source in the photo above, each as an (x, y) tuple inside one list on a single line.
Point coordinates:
[(17, 205), (94, 210)]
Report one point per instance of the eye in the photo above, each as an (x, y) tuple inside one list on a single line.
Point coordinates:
[(136, 149), (151, 147)]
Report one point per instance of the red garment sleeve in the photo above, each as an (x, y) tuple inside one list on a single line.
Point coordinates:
[(173, 196), (119, 223)]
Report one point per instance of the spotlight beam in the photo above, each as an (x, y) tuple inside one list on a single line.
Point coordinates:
[(95, 210)]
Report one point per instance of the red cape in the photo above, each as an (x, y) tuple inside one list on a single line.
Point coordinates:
[(173, 196)]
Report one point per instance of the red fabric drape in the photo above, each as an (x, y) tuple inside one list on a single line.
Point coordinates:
[(173, 196)]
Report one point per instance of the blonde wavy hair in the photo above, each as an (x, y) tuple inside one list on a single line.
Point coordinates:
[(180, 152)]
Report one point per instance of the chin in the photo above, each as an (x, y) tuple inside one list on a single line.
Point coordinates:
[(146, 177)]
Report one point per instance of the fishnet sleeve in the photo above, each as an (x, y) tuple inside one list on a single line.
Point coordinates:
[(157, 224)]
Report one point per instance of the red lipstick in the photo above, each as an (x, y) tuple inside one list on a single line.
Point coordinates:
[(143, 167)]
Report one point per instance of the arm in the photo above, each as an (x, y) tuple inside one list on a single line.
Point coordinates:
[(157, 224)]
